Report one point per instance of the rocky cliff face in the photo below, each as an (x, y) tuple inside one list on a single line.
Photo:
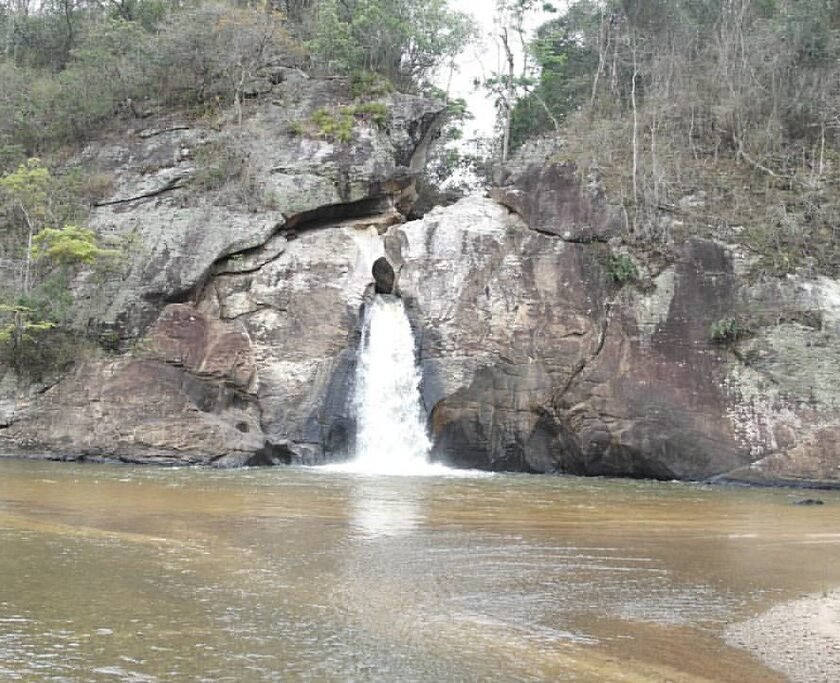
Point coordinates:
[(235, 325), (535, 362), (233, 321)]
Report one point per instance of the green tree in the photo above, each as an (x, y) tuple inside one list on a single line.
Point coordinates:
[(20, 328), (565, 64), (404, 40), (67, 247), (26, 190), (39, 303)]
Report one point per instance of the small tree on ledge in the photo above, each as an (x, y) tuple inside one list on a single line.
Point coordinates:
[(34, 310)]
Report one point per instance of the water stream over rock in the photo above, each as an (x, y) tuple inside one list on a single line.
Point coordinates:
[(391, 436)]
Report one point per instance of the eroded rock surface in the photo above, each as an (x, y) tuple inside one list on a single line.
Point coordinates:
[(234, 314), (533, 361), (783, 400), (235, 324), (187, 196), (139, 410)]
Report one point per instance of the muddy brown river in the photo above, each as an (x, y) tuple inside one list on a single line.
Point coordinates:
[(117, 573)]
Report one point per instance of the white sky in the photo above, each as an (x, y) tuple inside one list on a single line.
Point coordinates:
[(478, 62)]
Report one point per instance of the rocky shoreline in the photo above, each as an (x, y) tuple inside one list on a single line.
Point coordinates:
[(800, 639), (284, 456)]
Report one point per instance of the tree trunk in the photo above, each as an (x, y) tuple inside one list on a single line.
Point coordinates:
[(510, 95), (603, 46), (653, 159), (68, 42), (11, 26), (635, 126), (25, 285)]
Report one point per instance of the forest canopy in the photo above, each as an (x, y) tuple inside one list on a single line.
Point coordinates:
[(67, 65), (686, 104), (727, 103)]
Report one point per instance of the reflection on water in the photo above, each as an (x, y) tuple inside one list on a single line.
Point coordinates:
[(377, 509), (130, 574), (394, 504)]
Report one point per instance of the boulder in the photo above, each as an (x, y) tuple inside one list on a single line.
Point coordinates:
[(137, 410), (555, 197), (384, 276)]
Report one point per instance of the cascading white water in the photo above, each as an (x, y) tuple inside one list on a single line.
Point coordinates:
[(391, 434)]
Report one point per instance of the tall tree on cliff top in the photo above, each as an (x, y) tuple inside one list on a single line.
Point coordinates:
[(516, 72)]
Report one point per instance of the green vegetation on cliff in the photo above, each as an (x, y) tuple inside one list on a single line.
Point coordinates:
[(75, 69), (710, 116), (36, 296), (65, 67), (404, 40)]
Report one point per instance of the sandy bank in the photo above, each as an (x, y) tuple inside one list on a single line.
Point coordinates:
[(801, 639)]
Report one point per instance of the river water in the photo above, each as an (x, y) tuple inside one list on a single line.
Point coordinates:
[(117, 573)]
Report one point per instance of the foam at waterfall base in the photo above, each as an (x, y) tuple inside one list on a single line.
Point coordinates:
[(395, 468), (391, 432)]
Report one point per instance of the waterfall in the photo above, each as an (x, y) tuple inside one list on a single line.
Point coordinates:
[(391, 433)]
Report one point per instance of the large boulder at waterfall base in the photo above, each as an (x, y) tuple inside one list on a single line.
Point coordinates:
[(384, 276)]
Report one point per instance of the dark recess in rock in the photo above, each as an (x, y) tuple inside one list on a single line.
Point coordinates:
[(615, 460), (341, 437), (271, 454), (324, 216), (332, 426)]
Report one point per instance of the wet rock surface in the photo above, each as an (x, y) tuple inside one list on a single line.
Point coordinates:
[(536, 363), (384, 276)]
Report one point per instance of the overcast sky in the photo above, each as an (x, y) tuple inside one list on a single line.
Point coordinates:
[(479, 61)]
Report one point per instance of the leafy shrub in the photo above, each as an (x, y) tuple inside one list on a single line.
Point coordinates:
[(297, 128), (338, 124), (728, 331), (334, 125), (68, 246), (368, 85), (377, 112), (621, 269), (219, 163)]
